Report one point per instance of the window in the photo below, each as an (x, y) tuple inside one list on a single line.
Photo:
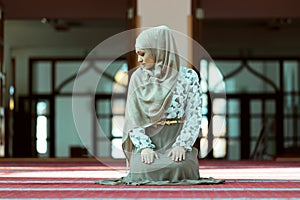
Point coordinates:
[(42, 128), (213, 126), (118, 111)]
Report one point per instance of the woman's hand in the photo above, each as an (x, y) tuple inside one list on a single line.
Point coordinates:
[(148, 155), (177, 153)]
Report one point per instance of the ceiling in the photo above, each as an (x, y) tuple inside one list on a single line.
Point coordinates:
[(67, 9), (268, 25), (117, 9)]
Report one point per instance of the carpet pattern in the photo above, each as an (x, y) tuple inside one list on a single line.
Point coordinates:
[(73, 179)]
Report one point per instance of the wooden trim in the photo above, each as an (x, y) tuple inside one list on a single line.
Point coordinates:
[(196, 32), (132, 23), (190, 41)]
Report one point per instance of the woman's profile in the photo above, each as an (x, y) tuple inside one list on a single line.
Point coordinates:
[(163, 116)]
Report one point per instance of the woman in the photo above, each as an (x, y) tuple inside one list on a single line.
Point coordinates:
[(163, 115)]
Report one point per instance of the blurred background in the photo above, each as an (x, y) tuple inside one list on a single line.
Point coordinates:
[(254, 44)]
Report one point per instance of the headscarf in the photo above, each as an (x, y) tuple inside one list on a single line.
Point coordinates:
[(150, 90)]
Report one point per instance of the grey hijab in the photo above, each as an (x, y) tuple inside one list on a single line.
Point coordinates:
[(150, 90)]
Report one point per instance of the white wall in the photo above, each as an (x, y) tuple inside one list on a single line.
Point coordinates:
[(176, 14), (25, 39), (245, 37)]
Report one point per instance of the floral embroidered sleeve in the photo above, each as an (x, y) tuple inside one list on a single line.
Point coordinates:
[(139, 139), (193, 114)]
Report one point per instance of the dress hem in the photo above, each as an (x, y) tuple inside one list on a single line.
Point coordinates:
[(123, 181)]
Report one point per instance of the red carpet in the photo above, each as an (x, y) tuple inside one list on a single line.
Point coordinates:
[(59, 179)]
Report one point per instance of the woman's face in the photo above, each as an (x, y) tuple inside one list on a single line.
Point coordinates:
[(146, 61)]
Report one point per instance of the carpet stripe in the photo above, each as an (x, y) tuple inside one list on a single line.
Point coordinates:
[(93, 181), (150, 189), (45, 182), (160, 198)]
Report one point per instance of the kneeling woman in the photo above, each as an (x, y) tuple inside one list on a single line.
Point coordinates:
[(163, 115)]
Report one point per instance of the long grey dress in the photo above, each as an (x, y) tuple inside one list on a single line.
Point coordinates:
[(163, 168), (163, 171)]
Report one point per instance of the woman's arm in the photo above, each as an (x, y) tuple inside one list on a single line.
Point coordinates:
[(143, 144), (140, 140), (191, 127)]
